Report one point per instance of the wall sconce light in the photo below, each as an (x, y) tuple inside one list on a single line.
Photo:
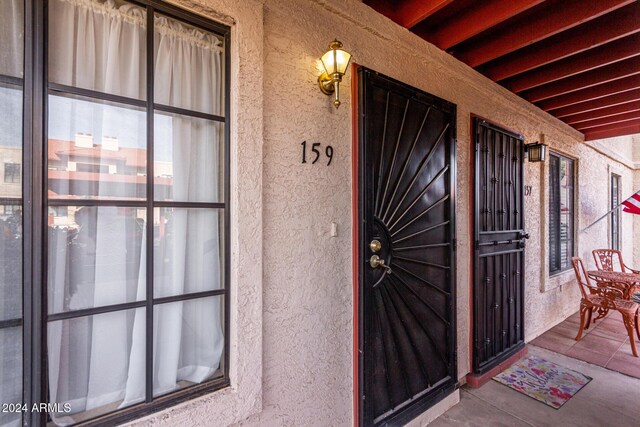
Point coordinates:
[(536, 151), (335, 63)]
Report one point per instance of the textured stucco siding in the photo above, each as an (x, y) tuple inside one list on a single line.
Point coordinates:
[(292, 307)]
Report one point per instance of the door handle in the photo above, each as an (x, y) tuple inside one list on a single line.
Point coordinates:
[(524, 235), (375, 261)]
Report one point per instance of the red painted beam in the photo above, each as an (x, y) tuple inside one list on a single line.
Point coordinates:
[(620, 118), (615, 25), (602, 112), (595, 92), (606, 54), (611, 131), (591, 78), (475, 20), (408, 13), (597, 104), (530, 29)]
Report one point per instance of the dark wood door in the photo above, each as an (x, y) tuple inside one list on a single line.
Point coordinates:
[(498, 294), (406, 195)]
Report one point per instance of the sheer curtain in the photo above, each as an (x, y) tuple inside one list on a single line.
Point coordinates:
[(188, 343), (12, 36), (100, 360)]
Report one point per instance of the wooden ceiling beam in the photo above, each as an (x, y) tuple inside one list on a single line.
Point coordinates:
[(531, 29), (603, 55), (620, 118), (595, 92), (604, 102), (611, 131), (475, 20), (602, 112), (585, 80), (615, 25), (409, 13)]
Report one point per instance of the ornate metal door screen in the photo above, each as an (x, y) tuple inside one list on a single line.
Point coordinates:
[(498, 294), (406, 232)]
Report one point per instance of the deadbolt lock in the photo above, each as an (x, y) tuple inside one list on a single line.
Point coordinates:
[(375, 245)]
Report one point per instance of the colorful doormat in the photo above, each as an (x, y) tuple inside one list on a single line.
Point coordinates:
[(543, 380)]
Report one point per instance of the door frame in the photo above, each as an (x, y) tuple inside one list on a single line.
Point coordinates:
[(474, 119), (421, 405)]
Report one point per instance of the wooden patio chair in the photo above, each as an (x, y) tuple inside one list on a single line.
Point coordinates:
[(604, 298), (606, 258)]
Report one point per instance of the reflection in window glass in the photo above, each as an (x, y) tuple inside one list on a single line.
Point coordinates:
[(97, 150), (12, 173), (95, 256)]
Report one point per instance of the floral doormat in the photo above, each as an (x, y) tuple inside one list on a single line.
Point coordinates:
[(543, 380)]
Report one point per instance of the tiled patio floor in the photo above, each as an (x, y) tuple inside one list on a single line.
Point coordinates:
[(610, 399), (605, 343)]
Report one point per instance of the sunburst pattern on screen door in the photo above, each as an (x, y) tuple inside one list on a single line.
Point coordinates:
[(410, 269)]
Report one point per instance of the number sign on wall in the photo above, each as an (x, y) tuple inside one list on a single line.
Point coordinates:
[(316, 148)]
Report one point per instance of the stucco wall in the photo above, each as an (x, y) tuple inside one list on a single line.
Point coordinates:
[(292, 314)]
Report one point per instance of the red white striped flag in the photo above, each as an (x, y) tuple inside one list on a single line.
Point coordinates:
[(632, 204)]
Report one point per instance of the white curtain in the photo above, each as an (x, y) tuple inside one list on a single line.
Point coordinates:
[(11, 37), (100, 360)]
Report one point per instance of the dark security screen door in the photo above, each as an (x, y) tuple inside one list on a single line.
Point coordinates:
[(498, 293), (406, 232)]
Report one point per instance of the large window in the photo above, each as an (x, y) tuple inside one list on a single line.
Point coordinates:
[(133, 158), (561, 213), (615, 215)]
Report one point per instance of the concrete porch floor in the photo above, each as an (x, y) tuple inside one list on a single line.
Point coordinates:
[(610, 398)]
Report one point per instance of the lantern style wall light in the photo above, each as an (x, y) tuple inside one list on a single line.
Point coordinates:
[(335, 63), (536, 151)]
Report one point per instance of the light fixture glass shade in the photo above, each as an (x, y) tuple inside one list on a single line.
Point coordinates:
[(537, 152), (336, 60)]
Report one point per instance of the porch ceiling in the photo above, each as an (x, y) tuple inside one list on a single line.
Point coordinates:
[(579, 60)]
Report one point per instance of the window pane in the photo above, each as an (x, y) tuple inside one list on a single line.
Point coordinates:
[(561, 181), (188, 67), (615, 215), (10, 140), (188, 159), (11, 263), (96, 257), (11, 37), (10, 201), (554, 184), (188, 251), (96, 364), (98, 45), (189, 343), (97, 150), (10, 373)]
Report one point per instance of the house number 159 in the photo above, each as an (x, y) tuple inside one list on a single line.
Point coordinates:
[(328, 151)]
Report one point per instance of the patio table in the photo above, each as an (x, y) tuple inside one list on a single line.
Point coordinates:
[(628, 280)]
